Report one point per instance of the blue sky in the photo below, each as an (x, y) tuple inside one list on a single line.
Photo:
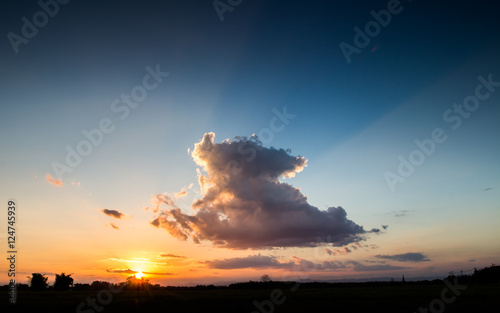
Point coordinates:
[(352, 120)]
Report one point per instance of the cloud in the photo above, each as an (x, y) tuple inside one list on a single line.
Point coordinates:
[(132, 272), (306, 265), (157, 273), (358, 267), (251, 261), (113, 213), (405, 257), (183, 192), (297, 264), (385, 227), (400, 213), (245, 205), (114, 226), (142, 261), (53, 181), (120, 271), (271, 262), (180, 194), (167, 199), (344, 251), (172, 256)]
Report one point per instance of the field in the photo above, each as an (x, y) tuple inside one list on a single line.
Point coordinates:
[(338, 298)]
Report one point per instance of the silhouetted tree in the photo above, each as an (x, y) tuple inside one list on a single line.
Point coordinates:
[(99, 285), (487, 275), (265, 278), (38, 282), (81, 287), (134, 283), (63, 282)]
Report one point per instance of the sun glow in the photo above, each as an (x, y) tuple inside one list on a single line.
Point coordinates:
[(139, 275)]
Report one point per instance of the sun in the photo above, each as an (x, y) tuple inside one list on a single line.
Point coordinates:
[(139, 275)]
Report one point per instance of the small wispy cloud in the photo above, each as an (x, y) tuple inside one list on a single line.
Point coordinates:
[(53, 181), (135, 261), (113, 213), (122, 271), (251, 261), (400, 213), (114, 226), (405, 257), (358, 267), (172, 256), (157, 273), (133, 272), (182, 192)]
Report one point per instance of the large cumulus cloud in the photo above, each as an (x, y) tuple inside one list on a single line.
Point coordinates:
[(245, 205)]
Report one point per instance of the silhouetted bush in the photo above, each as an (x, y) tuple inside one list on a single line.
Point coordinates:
[(22, 287), (81, 287), (63, 282), (38, 282), (134, 283), (99, 285), (487, 275)]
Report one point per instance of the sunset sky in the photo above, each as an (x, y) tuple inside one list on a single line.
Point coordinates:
[(204, 146)]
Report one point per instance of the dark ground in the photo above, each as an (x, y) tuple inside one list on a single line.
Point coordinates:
[(307, 298)]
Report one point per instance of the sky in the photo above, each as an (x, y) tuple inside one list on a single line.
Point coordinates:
[(216, 141)]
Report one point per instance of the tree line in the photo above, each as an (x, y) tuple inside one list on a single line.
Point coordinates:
[(63, 282)]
